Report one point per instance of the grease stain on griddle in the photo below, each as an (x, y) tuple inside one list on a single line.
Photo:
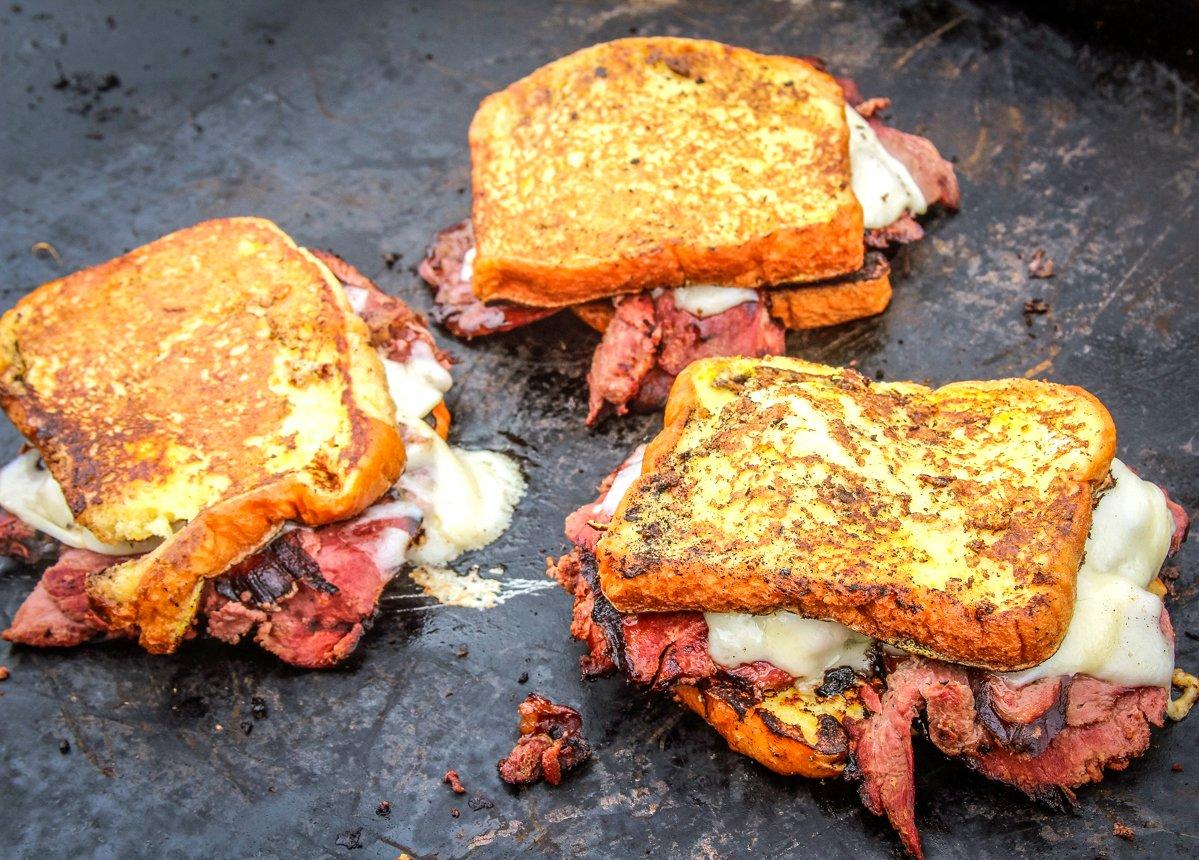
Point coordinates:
[(470, 590)]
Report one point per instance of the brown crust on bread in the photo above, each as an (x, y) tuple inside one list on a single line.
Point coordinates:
[(158, 593), (731, 167), (864, 294), (792, 732), (1006, 512)]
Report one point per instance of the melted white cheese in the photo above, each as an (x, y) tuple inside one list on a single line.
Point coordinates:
[(388, 546), (708, 300), (1115, 633), (881, 183), (468, 265), (29, 492), (418, 384), (803, 647), (467, 496)]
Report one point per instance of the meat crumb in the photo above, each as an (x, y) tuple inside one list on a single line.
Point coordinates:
[(1176, 767), (551, 743), (454, 813), (4, 673), (391, 258), (1123, 831), (1040, 266), (451, 779), (383, 810)]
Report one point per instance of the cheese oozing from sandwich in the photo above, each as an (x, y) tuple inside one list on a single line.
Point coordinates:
[(708, 300), (882, 185), (468, 264), (803, 647), (29, 492), (1115, 633), (421, 380), (467, 497)]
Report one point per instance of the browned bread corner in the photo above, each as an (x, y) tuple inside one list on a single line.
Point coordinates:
[(793, 731), (863, 294)]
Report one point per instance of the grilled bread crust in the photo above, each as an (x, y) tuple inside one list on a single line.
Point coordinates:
[(865, 293), (203, 389), (948, 522), (793, 732), (658, 162)]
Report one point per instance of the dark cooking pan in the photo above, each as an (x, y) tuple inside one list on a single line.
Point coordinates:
[(346, 123)]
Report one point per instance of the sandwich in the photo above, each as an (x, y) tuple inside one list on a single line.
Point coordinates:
[(229, 434), (684, 198), (813, 561)]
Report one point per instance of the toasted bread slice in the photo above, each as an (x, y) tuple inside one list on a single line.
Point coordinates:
[(949, 522), (793, 732), (658, 162), (863, 294), (202, 389)]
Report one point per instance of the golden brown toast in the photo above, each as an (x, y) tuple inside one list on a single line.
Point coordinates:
[(950, 522), (658, 162), (203, 389), (863, 294), (793, 731)]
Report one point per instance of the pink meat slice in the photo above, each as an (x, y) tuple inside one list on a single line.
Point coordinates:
[(650, 340), (56, 614), (457, 307)]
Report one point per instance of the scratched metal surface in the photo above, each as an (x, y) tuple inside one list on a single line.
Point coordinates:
[(347, 125)]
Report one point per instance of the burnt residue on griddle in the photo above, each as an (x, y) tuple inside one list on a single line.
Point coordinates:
[(1034, 307), (258, 709)]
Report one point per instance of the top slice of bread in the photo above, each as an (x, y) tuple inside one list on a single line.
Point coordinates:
[(202, 389), (657, 162), (950, 522)]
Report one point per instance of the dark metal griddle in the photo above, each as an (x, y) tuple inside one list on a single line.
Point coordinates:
[(346, 123)]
